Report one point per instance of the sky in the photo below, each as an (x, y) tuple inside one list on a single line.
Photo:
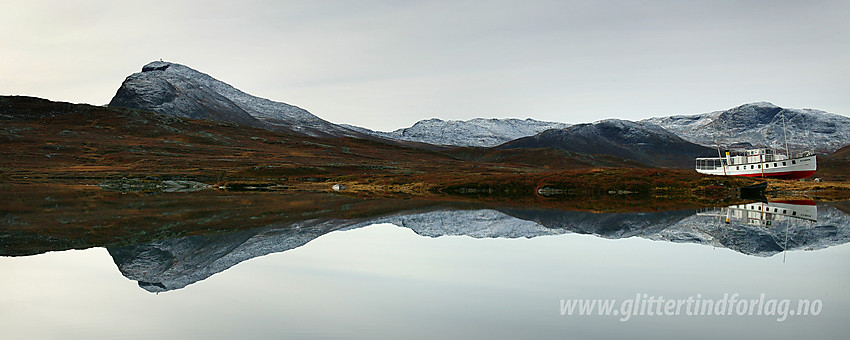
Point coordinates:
[(386, 64)]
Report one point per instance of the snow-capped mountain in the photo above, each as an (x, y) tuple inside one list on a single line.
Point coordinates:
[(178, 90), (638, 141), (478, 132), (175, 263), (757, 124), (761, 124)]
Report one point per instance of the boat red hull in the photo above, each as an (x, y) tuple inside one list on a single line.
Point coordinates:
[(783, 175), (795, 202)]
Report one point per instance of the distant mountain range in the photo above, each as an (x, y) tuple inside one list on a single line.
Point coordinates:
[(664, 141), (756, 124), (479, 132), (674, 141), (178, 90)]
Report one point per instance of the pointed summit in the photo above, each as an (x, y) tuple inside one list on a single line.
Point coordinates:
[(177, 90)]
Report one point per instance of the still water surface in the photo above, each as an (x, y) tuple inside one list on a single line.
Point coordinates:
[(440, 273)]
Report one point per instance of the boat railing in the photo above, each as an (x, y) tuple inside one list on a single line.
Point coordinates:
[(789, 154), (710, 163), (733, 157)]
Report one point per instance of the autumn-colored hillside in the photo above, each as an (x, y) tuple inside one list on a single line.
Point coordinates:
[(44, 141)]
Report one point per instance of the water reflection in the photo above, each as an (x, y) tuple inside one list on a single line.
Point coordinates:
[(766, 213), (753, 229), (168, 241), (174, 263), (500, 274)]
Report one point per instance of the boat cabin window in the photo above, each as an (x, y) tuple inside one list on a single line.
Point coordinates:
[(766, 166), (784, 164), (793, 162), (774, 165)]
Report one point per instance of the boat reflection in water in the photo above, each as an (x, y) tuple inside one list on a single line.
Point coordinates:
[(800, 214), (766, 213)]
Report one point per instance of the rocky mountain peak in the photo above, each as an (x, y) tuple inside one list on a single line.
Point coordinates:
[(178, 90), (761, 124)]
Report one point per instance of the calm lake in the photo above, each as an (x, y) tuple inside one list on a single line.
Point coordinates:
[(86, 264)]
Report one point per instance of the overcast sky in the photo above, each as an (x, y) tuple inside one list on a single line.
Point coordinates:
[(387, 64)]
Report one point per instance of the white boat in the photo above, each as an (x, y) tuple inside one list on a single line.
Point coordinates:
[(759, 163)]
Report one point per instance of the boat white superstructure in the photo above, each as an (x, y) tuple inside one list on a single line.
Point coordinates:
[(759, 163)]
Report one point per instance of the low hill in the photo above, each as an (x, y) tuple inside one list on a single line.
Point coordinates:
[(637, 142), (835, 166), (545, 158)]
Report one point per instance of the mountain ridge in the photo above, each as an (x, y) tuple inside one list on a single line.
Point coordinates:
[(477, 132), (756, 124), (179, 90), (761, 124)]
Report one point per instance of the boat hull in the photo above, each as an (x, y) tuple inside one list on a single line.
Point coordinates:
[(795, 168), (783, 175)]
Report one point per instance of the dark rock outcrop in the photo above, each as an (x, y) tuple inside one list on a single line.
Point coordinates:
[(641, 142)]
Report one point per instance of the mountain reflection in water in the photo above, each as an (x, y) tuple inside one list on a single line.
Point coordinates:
[(748, 229)]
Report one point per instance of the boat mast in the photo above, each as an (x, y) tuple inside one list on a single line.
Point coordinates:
[(785, 251), (785, 132), (720, 158)]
